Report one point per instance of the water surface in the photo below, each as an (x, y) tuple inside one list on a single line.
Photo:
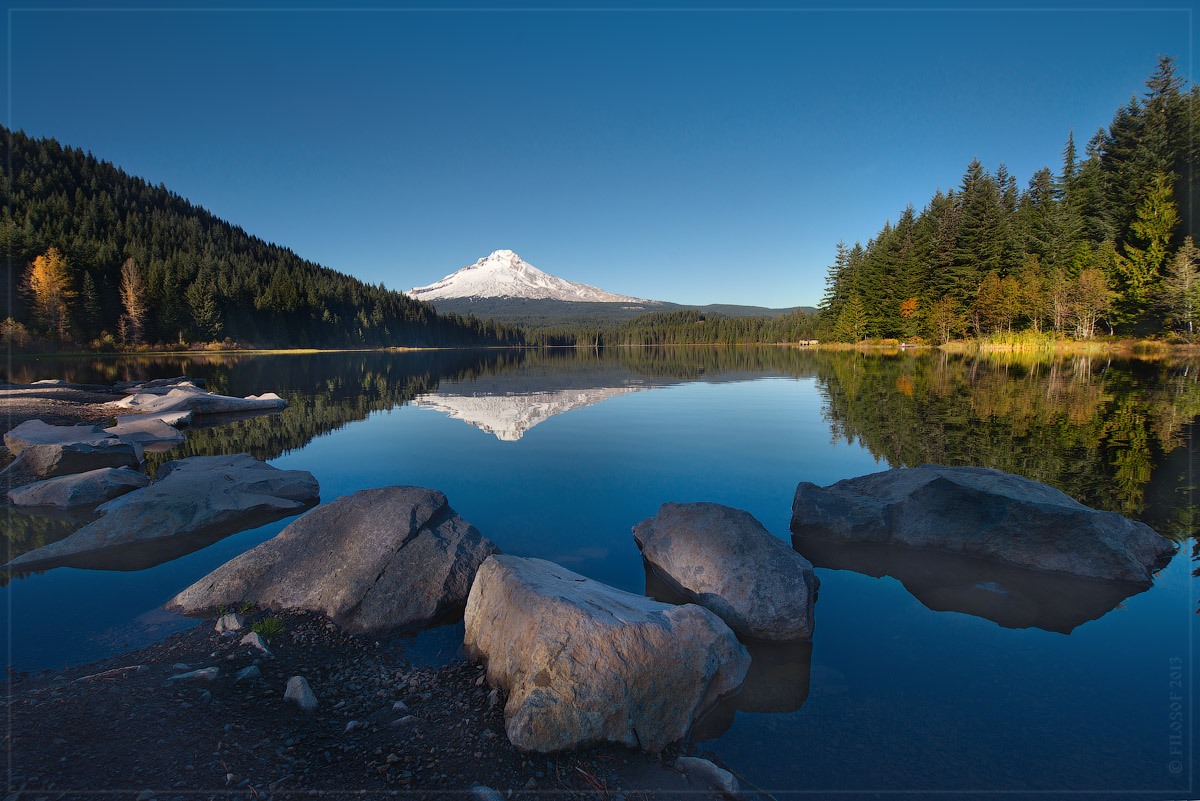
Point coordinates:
[(926, 674)]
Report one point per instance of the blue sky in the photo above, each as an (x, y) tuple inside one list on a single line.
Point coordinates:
[(695, 155)]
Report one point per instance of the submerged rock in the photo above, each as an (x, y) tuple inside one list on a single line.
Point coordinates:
[(984, 513), (45, 450), (79, 490), (585, 663), (195, 502), (724, 560), (707, 773), (379, 560)]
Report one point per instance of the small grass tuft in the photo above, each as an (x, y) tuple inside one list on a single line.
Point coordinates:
[(268, 627)]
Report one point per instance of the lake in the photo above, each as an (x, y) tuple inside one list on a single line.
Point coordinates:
[(926, 675)]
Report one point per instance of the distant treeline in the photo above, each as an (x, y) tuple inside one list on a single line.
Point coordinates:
[(72, 223), (1103, 245), (684, 327)]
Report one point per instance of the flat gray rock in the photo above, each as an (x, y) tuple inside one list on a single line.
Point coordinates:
[(585, 663), (154, 434), (79, 490), (195, 502), (174, 419), (984, 513), (185, 398), (379, 560), (723, 559), (46, 450)]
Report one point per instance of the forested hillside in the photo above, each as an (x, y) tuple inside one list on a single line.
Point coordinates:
[(101, 258), (1102, 245), (683, 327)]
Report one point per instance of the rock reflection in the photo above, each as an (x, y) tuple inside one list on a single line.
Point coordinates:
[(777, 680), (1012, 597), (149, 553)]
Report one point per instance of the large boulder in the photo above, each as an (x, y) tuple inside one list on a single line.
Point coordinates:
[(724, 560), (45, 450), (585, 663), (379, 560), (990, 514), (91, 488), (189, 398), (193, 503)]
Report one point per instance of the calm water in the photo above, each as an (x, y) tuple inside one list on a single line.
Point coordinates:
[(926, 674)]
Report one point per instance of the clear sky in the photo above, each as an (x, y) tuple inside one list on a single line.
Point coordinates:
[(696, 155)]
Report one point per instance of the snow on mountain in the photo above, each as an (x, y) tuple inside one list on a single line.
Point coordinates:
[(504, 274)]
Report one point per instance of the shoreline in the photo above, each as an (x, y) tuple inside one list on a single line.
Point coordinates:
[(1133, 348), (383, 727)]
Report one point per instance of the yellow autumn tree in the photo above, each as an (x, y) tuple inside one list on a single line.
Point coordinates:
[(50, 289)]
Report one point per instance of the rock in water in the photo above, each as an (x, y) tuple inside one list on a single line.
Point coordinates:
[(45, 450), (706, 772), (585, 663), (724, 560), (79, 489), (379, 560), (186, 398), (195, 502), (990, 514), (152, 433)]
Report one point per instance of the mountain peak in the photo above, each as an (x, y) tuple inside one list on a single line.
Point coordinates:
[(504, 274)]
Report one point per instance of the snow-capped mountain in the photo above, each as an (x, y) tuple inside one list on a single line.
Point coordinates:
[(504, 274)]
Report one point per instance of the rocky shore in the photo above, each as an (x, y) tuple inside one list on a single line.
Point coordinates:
[(122, 728)]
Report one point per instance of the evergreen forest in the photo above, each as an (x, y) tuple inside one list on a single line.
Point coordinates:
[(1103, 245), (98, 258)]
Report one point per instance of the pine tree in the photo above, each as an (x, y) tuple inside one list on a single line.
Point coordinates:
[(1066, 181), (91, 306), (850, 325), (1180, 295), (1154, 227), (836, 282)]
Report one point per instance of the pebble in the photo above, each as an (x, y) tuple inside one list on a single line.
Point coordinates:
[(493, 698), (399, 706), (481, 792), (407, 720), (707, 772), (203, 674), (251, 672), (255, 640), (230, 623), (353, 725), (145, 795), (301, 694)]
